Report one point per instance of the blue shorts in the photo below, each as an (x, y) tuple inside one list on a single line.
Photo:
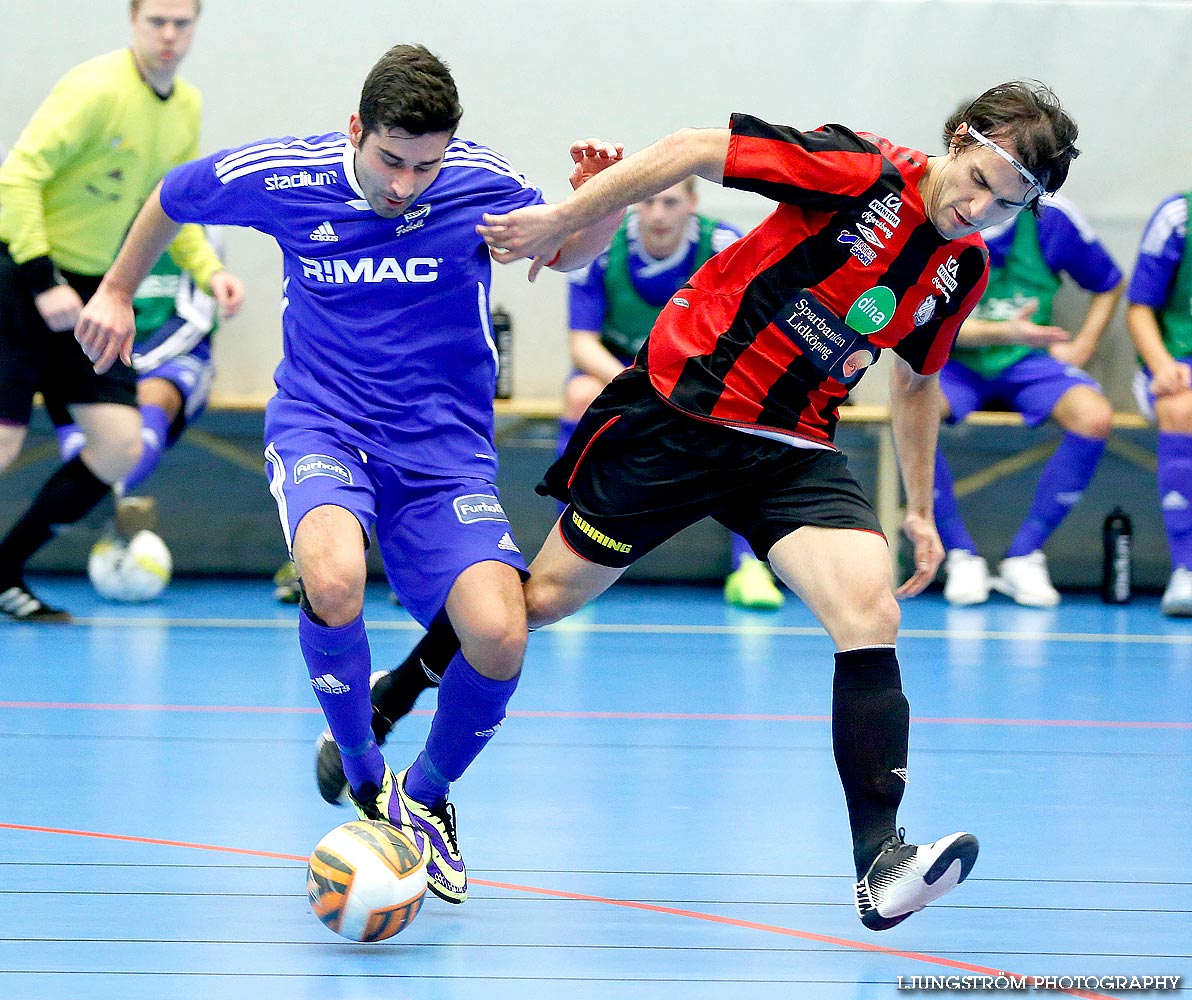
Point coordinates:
[(191, 374), (1032, 387), (429, 528)]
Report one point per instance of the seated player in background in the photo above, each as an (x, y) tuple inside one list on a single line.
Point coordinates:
[(175, 321), (613, 304), (1159, 317), (1009, 353)]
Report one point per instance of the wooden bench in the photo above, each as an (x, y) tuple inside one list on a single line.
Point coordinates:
[(888, 489)]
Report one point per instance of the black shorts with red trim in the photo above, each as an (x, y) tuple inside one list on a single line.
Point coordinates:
[(637, 471), (34, 358)]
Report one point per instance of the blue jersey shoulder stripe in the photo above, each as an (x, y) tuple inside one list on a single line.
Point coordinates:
[(295, 149), (273, 145), (292, 154), (496, 166), (1169, 221), (1073, 214), (471, 149), (463, 149), (281, 163)]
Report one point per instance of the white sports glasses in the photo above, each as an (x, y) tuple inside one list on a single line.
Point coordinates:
[(1026, 175)]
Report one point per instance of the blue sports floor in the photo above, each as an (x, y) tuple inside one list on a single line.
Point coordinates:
[(658, 819)]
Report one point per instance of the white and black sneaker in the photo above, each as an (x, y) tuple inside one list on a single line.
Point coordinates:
[(904, 877), (20, 604)]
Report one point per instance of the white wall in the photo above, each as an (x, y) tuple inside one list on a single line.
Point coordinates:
[(535, 74)]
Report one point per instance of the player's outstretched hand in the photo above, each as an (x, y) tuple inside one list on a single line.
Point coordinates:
[(929, 554), (106, 329), (536, 231), (590, 156), (229, 293)]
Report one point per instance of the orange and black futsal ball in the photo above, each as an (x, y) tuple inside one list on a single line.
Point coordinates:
[(366, 880)]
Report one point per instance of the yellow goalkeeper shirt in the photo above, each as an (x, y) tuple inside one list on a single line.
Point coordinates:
[(88, 159)]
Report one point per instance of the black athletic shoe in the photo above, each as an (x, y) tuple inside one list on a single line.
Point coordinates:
[(19, 604), (904, 878)]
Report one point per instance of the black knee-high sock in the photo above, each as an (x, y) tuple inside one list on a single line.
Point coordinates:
[(870, 731), (67, 496), (395, 694)]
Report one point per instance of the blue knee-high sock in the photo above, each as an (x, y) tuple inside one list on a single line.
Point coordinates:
[(1061, 484), (948, 521), (1175, 495), (741, 550), (339, 664), (471, 708), (153, 437)]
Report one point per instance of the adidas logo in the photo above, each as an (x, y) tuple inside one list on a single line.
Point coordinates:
[(329, 684), (507, 543), (325, 234), (1175, 500), (1069, 499), (900, 772)]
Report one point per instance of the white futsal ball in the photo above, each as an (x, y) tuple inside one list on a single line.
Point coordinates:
[(366, 880), (132, 571)]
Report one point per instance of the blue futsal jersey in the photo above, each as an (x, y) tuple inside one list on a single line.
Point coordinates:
[(1067, 242), (385, 322)]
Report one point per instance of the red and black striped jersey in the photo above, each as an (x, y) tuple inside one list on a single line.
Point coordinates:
[(771, 333)]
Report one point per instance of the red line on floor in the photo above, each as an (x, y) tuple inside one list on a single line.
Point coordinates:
[(583, 897)]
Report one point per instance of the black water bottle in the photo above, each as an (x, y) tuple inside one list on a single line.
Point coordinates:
[(503, 337), (1117, 554)]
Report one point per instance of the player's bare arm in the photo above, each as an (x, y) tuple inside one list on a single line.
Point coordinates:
[(975, 332), (540, 230), (915, 402), (1101, 308), (106, 327), (1168, 376)]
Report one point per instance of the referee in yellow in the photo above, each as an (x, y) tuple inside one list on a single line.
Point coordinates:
[(72, 184)]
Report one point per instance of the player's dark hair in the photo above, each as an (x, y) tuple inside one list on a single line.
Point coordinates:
[(1028, 114), (410, 88)]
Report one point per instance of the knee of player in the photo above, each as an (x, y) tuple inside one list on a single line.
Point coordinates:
[(116, 453), (885, 612), (334, 594), (546, 603), (872, 616), (496, 648), (1175, 413), (10, 447), (1096, 421)]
